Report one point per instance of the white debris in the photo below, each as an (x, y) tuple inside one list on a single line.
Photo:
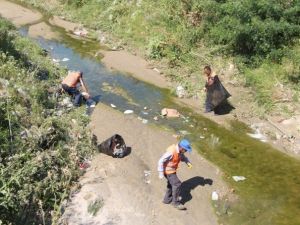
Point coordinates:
[(56, 60), (144, 121), (238, 178), (201, 137), (113, 106), (155, 118), (145, 113), (180, 92), (65, 59), (258, 135), (128, 111), (214, 196)]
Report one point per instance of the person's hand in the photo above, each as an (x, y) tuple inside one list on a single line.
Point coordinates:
[(161, 175), (190, 166)]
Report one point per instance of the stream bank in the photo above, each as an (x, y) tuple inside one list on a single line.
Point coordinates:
[(232, 150)]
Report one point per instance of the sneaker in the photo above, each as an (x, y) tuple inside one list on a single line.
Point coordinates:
[(165, 202), (179, 206)]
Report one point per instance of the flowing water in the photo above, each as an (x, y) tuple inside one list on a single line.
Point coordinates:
[(270, 193)]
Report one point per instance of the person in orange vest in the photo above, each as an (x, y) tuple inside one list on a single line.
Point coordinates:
[(167, 166), (69, 84)]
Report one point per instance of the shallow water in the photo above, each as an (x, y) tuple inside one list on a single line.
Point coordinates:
[(270, 193)]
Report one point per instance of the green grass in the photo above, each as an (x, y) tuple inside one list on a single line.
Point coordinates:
[(40, 152)]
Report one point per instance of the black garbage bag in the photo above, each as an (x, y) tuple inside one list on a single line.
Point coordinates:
[(114, 146), (216, 94)]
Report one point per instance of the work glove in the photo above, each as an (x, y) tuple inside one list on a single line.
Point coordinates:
[(190, 166), (161, 175)]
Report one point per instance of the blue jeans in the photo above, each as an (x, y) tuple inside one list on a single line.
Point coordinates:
[(76, 95)]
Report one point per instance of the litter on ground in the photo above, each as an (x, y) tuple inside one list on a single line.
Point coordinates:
[(214, 196), (113, 106), (128, 111), (238, 178), (170, 112)]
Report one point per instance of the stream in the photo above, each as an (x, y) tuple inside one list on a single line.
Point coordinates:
[(270, 193)]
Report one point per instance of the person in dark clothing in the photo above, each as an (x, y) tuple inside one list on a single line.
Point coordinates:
[(216, 94)]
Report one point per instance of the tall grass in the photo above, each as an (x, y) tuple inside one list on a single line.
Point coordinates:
[(39, 151)]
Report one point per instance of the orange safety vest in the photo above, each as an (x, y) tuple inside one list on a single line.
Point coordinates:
[(72, 79), (172, 165)]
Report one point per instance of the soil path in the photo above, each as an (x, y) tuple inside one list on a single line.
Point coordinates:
[(128, 195), (17, 14)]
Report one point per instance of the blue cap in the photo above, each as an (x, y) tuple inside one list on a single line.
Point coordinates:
[(185, 144)]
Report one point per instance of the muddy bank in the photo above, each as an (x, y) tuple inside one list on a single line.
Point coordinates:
[(128, 196), (17, 14)]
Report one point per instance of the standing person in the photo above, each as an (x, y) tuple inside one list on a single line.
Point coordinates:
[(69, 84), (216, 94), (167, 167)]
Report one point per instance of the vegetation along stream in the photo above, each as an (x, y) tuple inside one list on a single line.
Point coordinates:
[(269, 195)]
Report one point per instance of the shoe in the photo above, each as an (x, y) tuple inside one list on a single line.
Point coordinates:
[(166, 202), (179, 206)]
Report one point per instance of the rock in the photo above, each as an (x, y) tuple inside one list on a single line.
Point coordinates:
[(155, 118)]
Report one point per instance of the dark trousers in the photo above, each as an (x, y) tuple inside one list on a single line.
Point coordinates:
[(74, 92), (173, 189)]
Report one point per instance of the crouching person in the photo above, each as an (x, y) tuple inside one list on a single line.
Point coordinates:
[(69, 84), (167, 166)]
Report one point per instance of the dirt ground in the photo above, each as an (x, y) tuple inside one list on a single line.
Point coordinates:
[(18, 14), (129, 188)]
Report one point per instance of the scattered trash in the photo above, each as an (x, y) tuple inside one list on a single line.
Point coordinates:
[(155, 118), (201, 137), (113, 106), (65, 59), (84, 165), (191, 125), (144, 121), (238, 178), (258, 135), (156, 70), (180, 92), (81, 32), (145, 113), (128, 111), (205, 128), (214, 196), (145, 108), (184, 132), (140, 118), (170, 112), (147, 174)]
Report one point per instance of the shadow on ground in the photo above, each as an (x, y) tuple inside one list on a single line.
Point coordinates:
[(190, 184)]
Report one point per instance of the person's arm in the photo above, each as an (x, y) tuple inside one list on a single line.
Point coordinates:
[(186, 160), (166, 157), (83, 85)]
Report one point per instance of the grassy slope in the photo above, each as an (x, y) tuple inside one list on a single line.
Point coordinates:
[(270, 193), (40, 151)]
